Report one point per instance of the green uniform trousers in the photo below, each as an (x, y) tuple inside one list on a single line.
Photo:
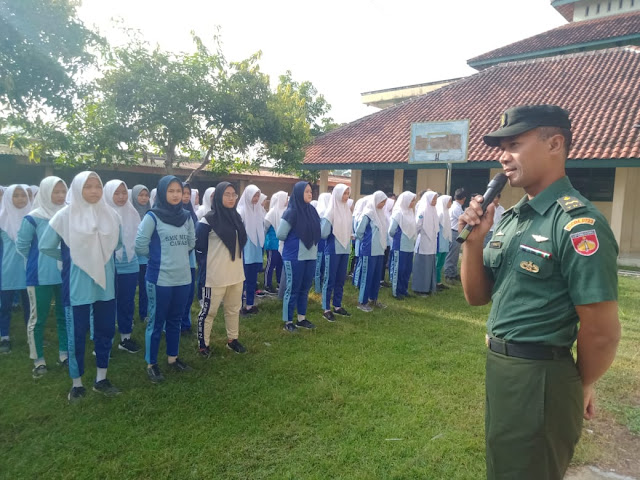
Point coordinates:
[(40, 300), (533, 417), (440, 259)]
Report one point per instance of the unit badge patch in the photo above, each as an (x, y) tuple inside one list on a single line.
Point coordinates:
[(585, 243), (579, 221)]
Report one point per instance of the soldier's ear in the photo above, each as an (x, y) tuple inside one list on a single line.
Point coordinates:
[(556, 144)]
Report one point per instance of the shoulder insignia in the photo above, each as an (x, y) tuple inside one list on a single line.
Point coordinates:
[(579, 221), (585, 243), (569, 203)]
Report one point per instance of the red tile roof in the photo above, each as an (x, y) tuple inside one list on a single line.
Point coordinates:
[(572, 34), (600, 88)]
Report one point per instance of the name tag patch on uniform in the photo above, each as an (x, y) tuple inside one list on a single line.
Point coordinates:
[(579, 221), (495, 244), (585, 243), (529, 266)]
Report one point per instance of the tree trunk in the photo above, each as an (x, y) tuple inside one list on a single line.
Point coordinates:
[(170, 158), (203, 164)]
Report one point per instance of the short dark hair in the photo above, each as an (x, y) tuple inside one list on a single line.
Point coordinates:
[(460, 193), (547, 132), (391, 195)]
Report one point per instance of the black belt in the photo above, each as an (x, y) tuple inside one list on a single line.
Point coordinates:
[(530, 351)]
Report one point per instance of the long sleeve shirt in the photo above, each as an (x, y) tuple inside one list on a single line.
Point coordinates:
[(454, 213), (369, 235), (12, 273), (41, 269), (216, 266), (332, 246), (294, 248), (399, 241)]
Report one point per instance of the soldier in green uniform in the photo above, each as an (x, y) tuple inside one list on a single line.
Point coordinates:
[(550, 265)]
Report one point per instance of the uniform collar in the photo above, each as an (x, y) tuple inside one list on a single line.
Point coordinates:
[(541, 202)]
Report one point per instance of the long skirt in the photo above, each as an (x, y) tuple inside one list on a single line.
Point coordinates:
[(424, 273)]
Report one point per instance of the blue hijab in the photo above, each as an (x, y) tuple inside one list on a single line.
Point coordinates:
[(302, 217), (189, 206), (172, 214)]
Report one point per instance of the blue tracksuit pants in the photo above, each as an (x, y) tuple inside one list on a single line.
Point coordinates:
[(6, 303), (125, 300), (142, 292), (166, 306), (186, 313), (251, 271), (319, 273), (98, 318), (400, 268), (299, 274), (274, 262), (335, 274), (370, 269)]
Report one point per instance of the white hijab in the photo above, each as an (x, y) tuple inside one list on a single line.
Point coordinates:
[(11, 216), (152, 197), (339, 215), (388, 208), (314, 204), (43, 207), (323, 203), (429, 216), (359, 208), (206, 203), (277, 206), (129, 217), (377, 216), (90, 230), (194, 192), (252, 215), (443, 215), (404, 216)]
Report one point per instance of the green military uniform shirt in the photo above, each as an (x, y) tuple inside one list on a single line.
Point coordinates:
[(547, 255)]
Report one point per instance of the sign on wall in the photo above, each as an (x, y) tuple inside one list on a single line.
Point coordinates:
[(439, 142)]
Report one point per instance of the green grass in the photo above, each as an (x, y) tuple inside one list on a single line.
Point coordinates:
[(395, 394)]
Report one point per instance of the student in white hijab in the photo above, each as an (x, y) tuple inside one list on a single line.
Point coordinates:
[(44, 281), (206, 203), (252, 215), (152, 197), (127, 267), (321, 207), (85, 234), (15, 205), (403, 233), (358, 208), (336, 229), (372, 232), (424, 261), (444, 237), (277, 206)]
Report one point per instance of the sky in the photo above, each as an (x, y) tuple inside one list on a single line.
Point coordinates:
[(345, 47)]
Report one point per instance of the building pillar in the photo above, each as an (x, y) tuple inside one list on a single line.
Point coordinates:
[(356, 178), (398, 181), (625, 212), (242, 184), (324, 181), (431, 178)]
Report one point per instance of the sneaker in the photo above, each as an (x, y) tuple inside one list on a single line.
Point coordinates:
[(305, 324), (289, 327), (205, 352), (378, 304), (179, 366), (385, 284), (39, 371), (129, 345), (441, 286), (364, 307), (154, 374), (248, 311), (104, 387), (272, 290), (341, 311), (5, 346), (64, 363), (76, 393), (236, 346), (260, 293), (398, 297), (329, 316)]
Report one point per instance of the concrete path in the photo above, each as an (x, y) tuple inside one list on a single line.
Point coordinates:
[(593, 473)]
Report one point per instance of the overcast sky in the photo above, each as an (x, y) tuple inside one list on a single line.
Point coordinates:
[(344, 47)]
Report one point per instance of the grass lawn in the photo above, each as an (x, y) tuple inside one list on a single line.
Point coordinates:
[(394, 394)]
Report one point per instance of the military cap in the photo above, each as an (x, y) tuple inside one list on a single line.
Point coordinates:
[(517, 120)]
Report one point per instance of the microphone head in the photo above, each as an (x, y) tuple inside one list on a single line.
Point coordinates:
[(499, 181)]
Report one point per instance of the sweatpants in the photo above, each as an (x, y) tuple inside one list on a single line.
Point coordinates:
[(251, 271), (231, 298), (357, 273), (335, 274), (166, 307), (185, 323), (99, 318), (299, 279), (440, 259), (142, 292), (40, 299), (385, 264), (451, 262), (274, 262), (125, 300), (400, 268), (370, 267), (318, 276), (6, 304), (282, 284)]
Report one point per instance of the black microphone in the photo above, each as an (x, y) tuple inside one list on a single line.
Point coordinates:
[(494, 188)]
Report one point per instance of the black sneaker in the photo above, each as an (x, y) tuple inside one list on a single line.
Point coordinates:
[(154, 374), (385, 284), (341, 311), (104, 387), (205, 352), (272, 290), (236, 346), (305, 324), (129, 345), (329, 316), (398, 297), (289, 327), (260, 293), (441, 286), (76, 393), (179, 366), (5, 346), (64, 363), (39, 371), (249, 311)]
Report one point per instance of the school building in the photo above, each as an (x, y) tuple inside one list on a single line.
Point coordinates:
[(590, 66)]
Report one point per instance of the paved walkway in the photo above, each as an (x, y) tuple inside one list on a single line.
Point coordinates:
[(593, 473)]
